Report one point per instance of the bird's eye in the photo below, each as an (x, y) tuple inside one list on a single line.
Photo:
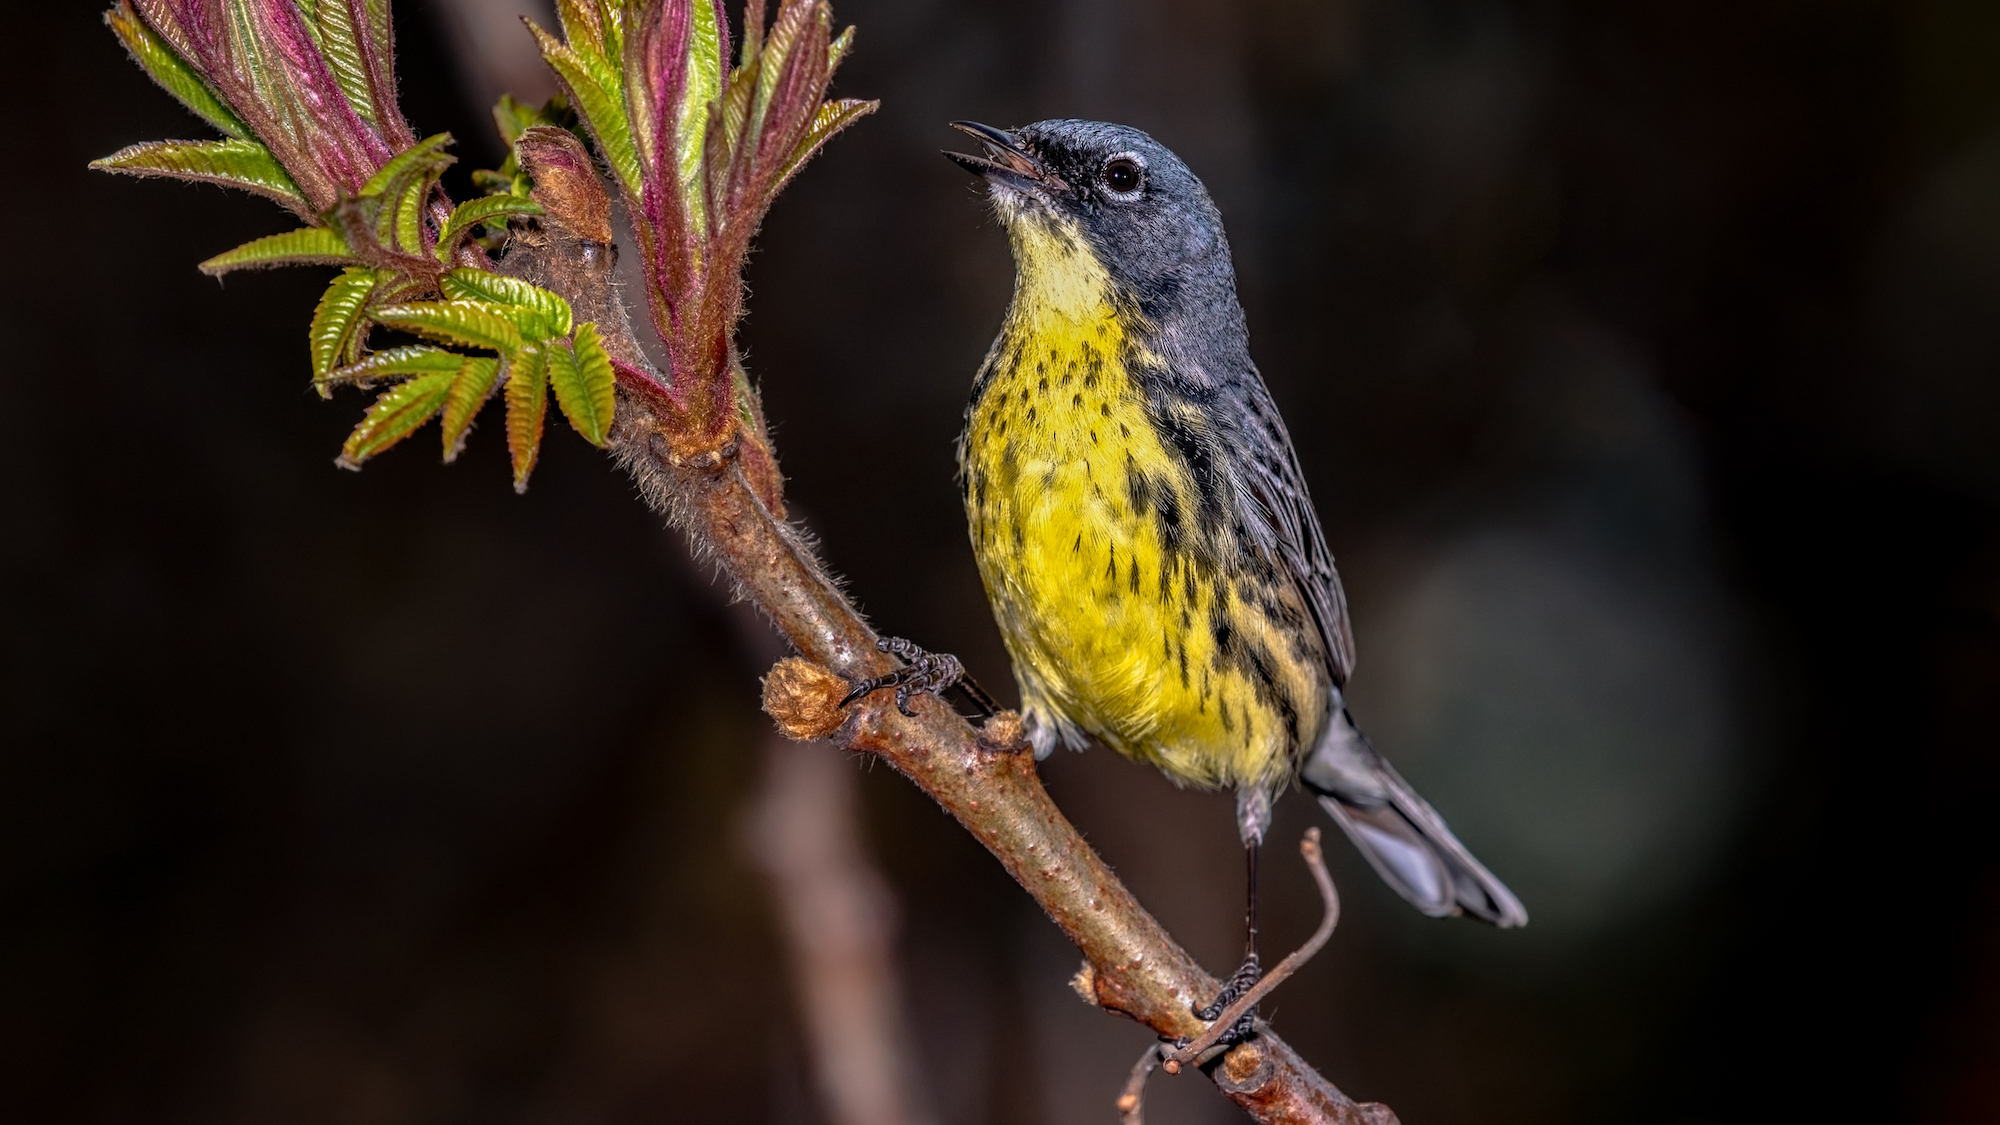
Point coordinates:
[(1122, 175)]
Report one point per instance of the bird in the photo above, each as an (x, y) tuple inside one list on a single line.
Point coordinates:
[(1141, 524)]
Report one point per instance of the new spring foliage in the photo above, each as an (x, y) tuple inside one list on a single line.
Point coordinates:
[(304, 95), (698, 149)]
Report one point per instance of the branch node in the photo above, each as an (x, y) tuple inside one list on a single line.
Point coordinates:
[(1245, 1066), (1006, 731), (1084, 983), (804, 699), (706, 460)]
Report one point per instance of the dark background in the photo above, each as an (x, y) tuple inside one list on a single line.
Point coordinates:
[(1644, 359)]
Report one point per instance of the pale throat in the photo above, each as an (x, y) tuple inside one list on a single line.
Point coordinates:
[(1057, 277)]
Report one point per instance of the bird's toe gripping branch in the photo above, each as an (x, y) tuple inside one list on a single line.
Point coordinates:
[(1242, 1006), (923, 673), (1239, 983)]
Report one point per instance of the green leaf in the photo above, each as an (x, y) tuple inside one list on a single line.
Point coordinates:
[(381, 32), (424, 159), (527, 404), (779, 41), (392, 201), (604, 70), (473, 212), (409, 230), (584, 384), (837, 50), (337, 322), (830, 118), (307, 246), (243, 164), (410, 359), (548, 315), (599, 377), (512, 116), (613, 14), (499, 183), (470, 388), (581, 24), (339, 43), (400, 410), (471, 324), (601, 108), (704, 85), (173, 74), (734, 106)]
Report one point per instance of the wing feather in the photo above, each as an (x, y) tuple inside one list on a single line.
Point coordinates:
[(1269, 475)]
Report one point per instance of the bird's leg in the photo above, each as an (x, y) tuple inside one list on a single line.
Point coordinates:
[(922, 673), (1250, 915), (1251, 971)]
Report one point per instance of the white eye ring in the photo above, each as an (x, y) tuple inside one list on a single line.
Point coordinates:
[(1139, 183)]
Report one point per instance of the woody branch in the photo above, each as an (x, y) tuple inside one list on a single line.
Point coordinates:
[(985, 779)]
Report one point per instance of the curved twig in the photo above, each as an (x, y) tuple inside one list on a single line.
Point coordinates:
[(1309, 848), (1131, 1100)]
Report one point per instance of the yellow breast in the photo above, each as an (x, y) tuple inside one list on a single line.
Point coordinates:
[(1122, 626)]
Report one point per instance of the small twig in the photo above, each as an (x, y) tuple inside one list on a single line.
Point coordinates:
[(1309, 848), (1130, 1101)]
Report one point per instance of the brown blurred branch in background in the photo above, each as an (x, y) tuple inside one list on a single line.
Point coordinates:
[(1132, 1100), (838, 916), (839, 921)]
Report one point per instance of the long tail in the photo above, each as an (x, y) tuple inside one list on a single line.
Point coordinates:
[(1404, 839)]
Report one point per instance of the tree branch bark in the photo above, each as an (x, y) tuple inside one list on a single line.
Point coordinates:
[(1132, 965)]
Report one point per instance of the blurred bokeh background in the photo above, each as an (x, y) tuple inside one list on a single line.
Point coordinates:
[(1644, 359)]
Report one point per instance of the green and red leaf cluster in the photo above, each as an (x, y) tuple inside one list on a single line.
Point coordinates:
[(537, 349), (309, 84), (304, 93), (699, 149)]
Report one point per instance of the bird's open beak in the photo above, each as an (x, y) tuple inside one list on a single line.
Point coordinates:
[(1003, 157)]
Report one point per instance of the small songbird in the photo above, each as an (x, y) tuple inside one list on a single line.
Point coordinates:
[(1140, 521)]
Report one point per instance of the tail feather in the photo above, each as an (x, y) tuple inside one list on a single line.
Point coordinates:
[(1398, 832)]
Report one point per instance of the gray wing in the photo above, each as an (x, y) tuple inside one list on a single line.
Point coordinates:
[(1403, 838), (1290, 533)]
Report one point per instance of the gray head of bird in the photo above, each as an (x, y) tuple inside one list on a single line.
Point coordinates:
[(1145, 216)]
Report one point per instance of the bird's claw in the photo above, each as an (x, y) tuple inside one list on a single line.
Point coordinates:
[(923, 673), (1241, 981)]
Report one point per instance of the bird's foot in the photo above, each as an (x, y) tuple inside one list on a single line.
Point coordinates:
[(1241, 981), (923, 673)]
